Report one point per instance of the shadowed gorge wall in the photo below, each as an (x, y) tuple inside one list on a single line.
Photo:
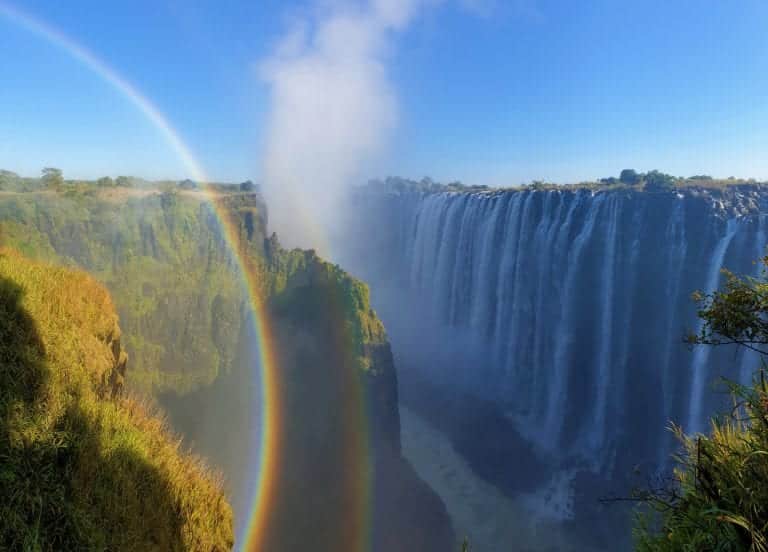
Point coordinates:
[(343, 482), (565, 308)]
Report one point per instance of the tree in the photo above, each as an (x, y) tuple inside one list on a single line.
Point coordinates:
[(52, 178), (105, 182), (656, 181), (123, 182), (247, 186), (629, 176), (719, 500)]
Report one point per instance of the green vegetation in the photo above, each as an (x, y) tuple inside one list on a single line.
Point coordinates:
[(52, 178), (81, 465), (629, 179), (162, 257), (652, 181), (162, 254), (303, 286), (426, 184), (720, 498)]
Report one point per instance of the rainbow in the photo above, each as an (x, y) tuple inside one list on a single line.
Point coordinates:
[(268, 445)]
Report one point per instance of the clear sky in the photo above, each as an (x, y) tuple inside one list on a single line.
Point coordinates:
[(496, 92)]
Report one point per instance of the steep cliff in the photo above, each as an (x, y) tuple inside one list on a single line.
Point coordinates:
[(186, 321), (163, 258), (341, 462), (83, 466)]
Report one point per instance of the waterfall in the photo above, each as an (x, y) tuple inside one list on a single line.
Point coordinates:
[(607, 282), (701, 354), (675, 239), (566, 339), (564, 307)]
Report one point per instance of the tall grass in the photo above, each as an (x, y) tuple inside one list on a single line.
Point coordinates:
[(82, 466)]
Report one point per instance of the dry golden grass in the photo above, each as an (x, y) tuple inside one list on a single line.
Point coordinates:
[(81, 465)]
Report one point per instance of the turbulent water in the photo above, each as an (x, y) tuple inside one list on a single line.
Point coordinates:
[(480, 512), (565, 308)]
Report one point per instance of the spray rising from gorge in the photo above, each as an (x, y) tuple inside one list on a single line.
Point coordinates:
[(332, 112)]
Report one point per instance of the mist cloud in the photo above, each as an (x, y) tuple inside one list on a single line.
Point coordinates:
[(333, 110)]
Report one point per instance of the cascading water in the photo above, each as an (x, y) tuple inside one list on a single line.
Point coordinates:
[(566, 308), (699, 365)]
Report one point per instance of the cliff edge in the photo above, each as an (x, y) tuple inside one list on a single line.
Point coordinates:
[(83, 466)]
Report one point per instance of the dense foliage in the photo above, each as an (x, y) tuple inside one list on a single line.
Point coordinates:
[(653, 181), (720, 497), (162, 254), (81, 465)]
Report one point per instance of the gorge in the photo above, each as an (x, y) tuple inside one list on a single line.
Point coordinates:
[(536, 353)]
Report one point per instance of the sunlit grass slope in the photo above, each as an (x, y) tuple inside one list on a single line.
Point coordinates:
[(81, 465)]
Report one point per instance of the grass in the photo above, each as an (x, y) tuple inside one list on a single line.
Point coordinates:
[(82, 465)]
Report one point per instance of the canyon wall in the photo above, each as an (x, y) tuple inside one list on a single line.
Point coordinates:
[(566, 307)]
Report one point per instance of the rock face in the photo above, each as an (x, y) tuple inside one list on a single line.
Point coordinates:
[(342, 478), (566, 308), (346, 403), (177, 288)]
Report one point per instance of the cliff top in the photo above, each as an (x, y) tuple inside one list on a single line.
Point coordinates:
[(651, 182), (52, 180)]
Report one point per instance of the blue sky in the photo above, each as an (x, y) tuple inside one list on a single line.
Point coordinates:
[(498, 93)]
